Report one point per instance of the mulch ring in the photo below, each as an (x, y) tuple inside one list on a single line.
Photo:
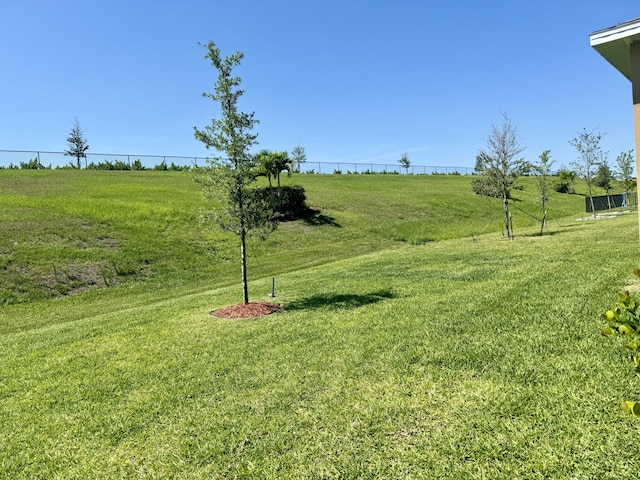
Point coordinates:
[(250, 310)]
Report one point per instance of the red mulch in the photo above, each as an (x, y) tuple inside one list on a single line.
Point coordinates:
[(250, 310)]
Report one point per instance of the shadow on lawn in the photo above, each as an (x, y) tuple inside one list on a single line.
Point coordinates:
[(339, 300), (310, 216), (315, 218), (549, 233)]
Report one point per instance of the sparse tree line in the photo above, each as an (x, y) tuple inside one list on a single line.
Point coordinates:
[(499, 165)]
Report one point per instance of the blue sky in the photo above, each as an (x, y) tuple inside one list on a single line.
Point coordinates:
[(351, 81)]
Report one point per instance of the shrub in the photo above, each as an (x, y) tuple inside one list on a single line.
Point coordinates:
[(31, 164), (120, 165), (481, 185), (623, 319), (565, 180), (161, 166), (137, 165), (179, 168), (293, 199)]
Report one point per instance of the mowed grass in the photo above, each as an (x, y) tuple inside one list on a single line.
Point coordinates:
[(471, 357), (404, 348), (63, 232)]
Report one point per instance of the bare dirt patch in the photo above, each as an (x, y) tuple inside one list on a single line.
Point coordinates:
[(250, 310)]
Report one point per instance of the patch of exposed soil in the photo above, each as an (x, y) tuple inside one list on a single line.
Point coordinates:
[(250, 310)]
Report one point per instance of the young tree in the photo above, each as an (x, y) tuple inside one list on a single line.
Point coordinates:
[(76, 143), (227, 179), (624, 162), (499, 166), (542, 169), (590, 155), (298, 157), (405, 162), (603, 179)]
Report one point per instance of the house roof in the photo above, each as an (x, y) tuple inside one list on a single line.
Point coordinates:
[(613, 44)]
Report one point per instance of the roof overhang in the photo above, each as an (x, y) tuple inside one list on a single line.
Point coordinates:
[(613, 44)]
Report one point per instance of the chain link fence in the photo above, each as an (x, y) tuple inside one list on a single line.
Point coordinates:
[(45, 159)]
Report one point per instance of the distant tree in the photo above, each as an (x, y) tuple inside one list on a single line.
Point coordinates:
[(298, 157), (590, 155), (405, 162), (603, 179), (76, 143), (542, 169), (624, 172), (228, 178), (499, 165)]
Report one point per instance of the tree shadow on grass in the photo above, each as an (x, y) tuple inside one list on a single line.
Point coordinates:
[(339, 301), (315, 218), (309, 216), (564, 229)]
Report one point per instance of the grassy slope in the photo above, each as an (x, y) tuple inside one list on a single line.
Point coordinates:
[(455, 359), (60, 230)]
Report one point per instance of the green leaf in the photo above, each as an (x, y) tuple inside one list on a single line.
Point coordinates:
[(610, 315), (608, 331), (636, 409), (627, 407), (625, 330)]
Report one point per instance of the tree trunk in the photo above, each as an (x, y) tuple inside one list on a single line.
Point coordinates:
[(593, 207), (507, 225), (279, 196), (243, 261)]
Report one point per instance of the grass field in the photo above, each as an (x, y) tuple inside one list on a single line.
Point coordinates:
[(414, 341), (62, 232)]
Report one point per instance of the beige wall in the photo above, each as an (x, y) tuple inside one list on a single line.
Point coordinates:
[(635, 82)]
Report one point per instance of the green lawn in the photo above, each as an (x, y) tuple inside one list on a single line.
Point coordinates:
[(62, 231), (468, 357)]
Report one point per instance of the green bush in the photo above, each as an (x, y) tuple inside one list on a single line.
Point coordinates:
[(623, 319), (161, 166), (566, 178), (482, 185), (293, 200), (31, 165)]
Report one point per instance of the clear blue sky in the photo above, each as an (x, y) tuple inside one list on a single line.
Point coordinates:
[(351, 81)]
